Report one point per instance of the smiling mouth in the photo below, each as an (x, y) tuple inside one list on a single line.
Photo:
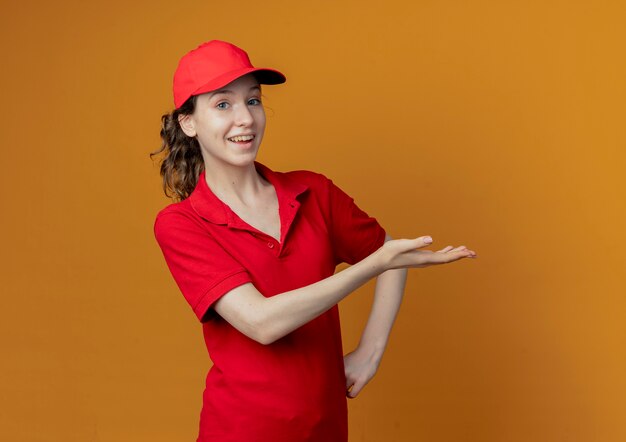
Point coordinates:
[(241, 138)]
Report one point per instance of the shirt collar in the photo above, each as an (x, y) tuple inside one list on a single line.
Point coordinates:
[(211, 208)]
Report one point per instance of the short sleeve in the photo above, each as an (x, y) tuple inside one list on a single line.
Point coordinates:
[(354, 234), (202, 269)]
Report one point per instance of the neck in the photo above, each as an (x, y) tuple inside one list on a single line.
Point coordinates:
[(241, 184)]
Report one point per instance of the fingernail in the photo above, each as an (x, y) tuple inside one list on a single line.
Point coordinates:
[(428, 239)]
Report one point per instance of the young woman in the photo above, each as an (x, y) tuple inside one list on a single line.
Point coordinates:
[(254, 253)]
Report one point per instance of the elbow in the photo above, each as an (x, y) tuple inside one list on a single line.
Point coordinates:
[(265, 338), (268, 333), (262, 330), (253, 316)]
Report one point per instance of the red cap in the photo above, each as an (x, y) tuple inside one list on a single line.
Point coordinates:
[(213, 65)]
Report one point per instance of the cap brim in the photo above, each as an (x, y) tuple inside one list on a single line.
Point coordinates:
[(263, 76)]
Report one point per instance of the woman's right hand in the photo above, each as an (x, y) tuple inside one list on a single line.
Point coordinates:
[(404, 253)]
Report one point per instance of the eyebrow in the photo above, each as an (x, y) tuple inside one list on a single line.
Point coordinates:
[(228, 91)]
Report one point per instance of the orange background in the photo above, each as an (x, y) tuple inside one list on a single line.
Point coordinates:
[(498, 125)]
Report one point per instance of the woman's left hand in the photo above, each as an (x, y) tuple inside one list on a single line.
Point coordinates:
[(360, 367)]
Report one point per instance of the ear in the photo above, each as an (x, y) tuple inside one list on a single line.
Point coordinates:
[(187, 125)]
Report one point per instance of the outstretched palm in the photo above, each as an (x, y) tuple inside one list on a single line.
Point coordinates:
[(404, 253)]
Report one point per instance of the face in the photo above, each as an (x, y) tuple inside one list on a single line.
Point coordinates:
[(228, 123)]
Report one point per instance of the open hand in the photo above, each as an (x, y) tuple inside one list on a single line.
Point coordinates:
[(404, 253)]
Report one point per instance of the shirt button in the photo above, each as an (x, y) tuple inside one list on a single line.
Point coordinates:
[(270, 245)]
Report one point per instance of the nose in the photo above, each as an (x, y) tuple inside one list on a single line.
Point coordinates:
[(243, 116)]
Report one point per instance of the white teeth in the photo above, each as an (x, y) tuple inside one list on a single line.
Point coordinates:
[(242, 138)]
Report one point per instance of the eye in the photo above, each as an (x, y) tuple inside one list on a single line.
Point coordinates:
[(254, 101), (222, 105)]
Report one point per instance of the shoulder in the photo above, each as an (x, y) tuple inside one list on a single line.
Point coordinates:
[(320, 186), (296, 177), (305, 175), (316, 181), (175, 216), (179, 209)]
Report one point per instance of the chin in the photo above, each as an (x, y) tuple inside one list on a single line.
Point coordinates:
[(244, 160)]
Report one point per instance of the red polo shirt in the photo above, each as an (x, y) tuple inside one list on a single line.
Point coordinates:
[(293, 389)]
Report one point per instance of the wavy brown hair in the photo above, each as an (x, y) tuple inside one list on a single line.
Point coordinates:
[(182, 162)]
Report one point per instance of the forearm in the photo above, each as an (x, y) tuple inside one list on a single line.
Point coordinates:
[(290, 310), (362, 364), (388, 296), (269, 319)]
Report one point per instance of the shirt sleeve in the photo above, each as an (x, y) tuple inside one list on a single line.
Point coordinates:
[(354, 234), (202, 269)]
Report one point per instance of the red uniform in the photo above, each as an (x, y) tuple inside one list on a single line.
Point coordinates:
[(293, 389)]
